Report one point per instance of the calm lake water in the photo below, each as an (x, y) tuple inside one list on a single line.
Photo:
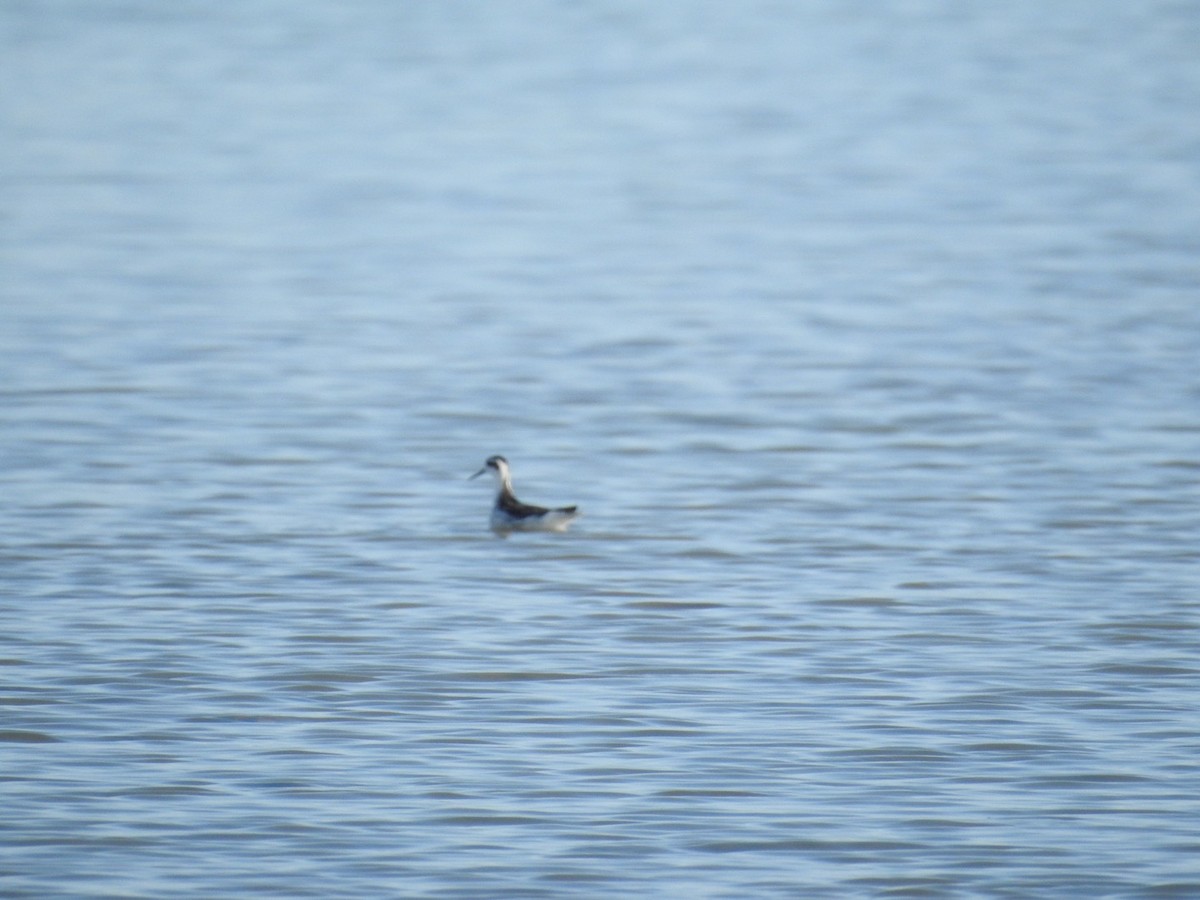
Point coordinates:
[(866, 336)]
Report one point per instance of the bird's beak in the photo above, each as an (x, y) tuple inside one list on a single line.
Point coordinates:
[(477, 474)]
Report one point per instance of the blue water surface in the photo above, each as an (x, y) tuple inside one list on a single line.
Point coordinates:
[(864, 335)]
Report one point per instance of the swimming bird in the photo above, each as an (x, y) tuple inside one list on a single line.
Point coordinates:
[(510, 514)]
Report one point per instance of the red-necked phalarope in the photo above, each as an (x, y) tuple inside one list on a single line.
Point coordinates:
[(510, 514)]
